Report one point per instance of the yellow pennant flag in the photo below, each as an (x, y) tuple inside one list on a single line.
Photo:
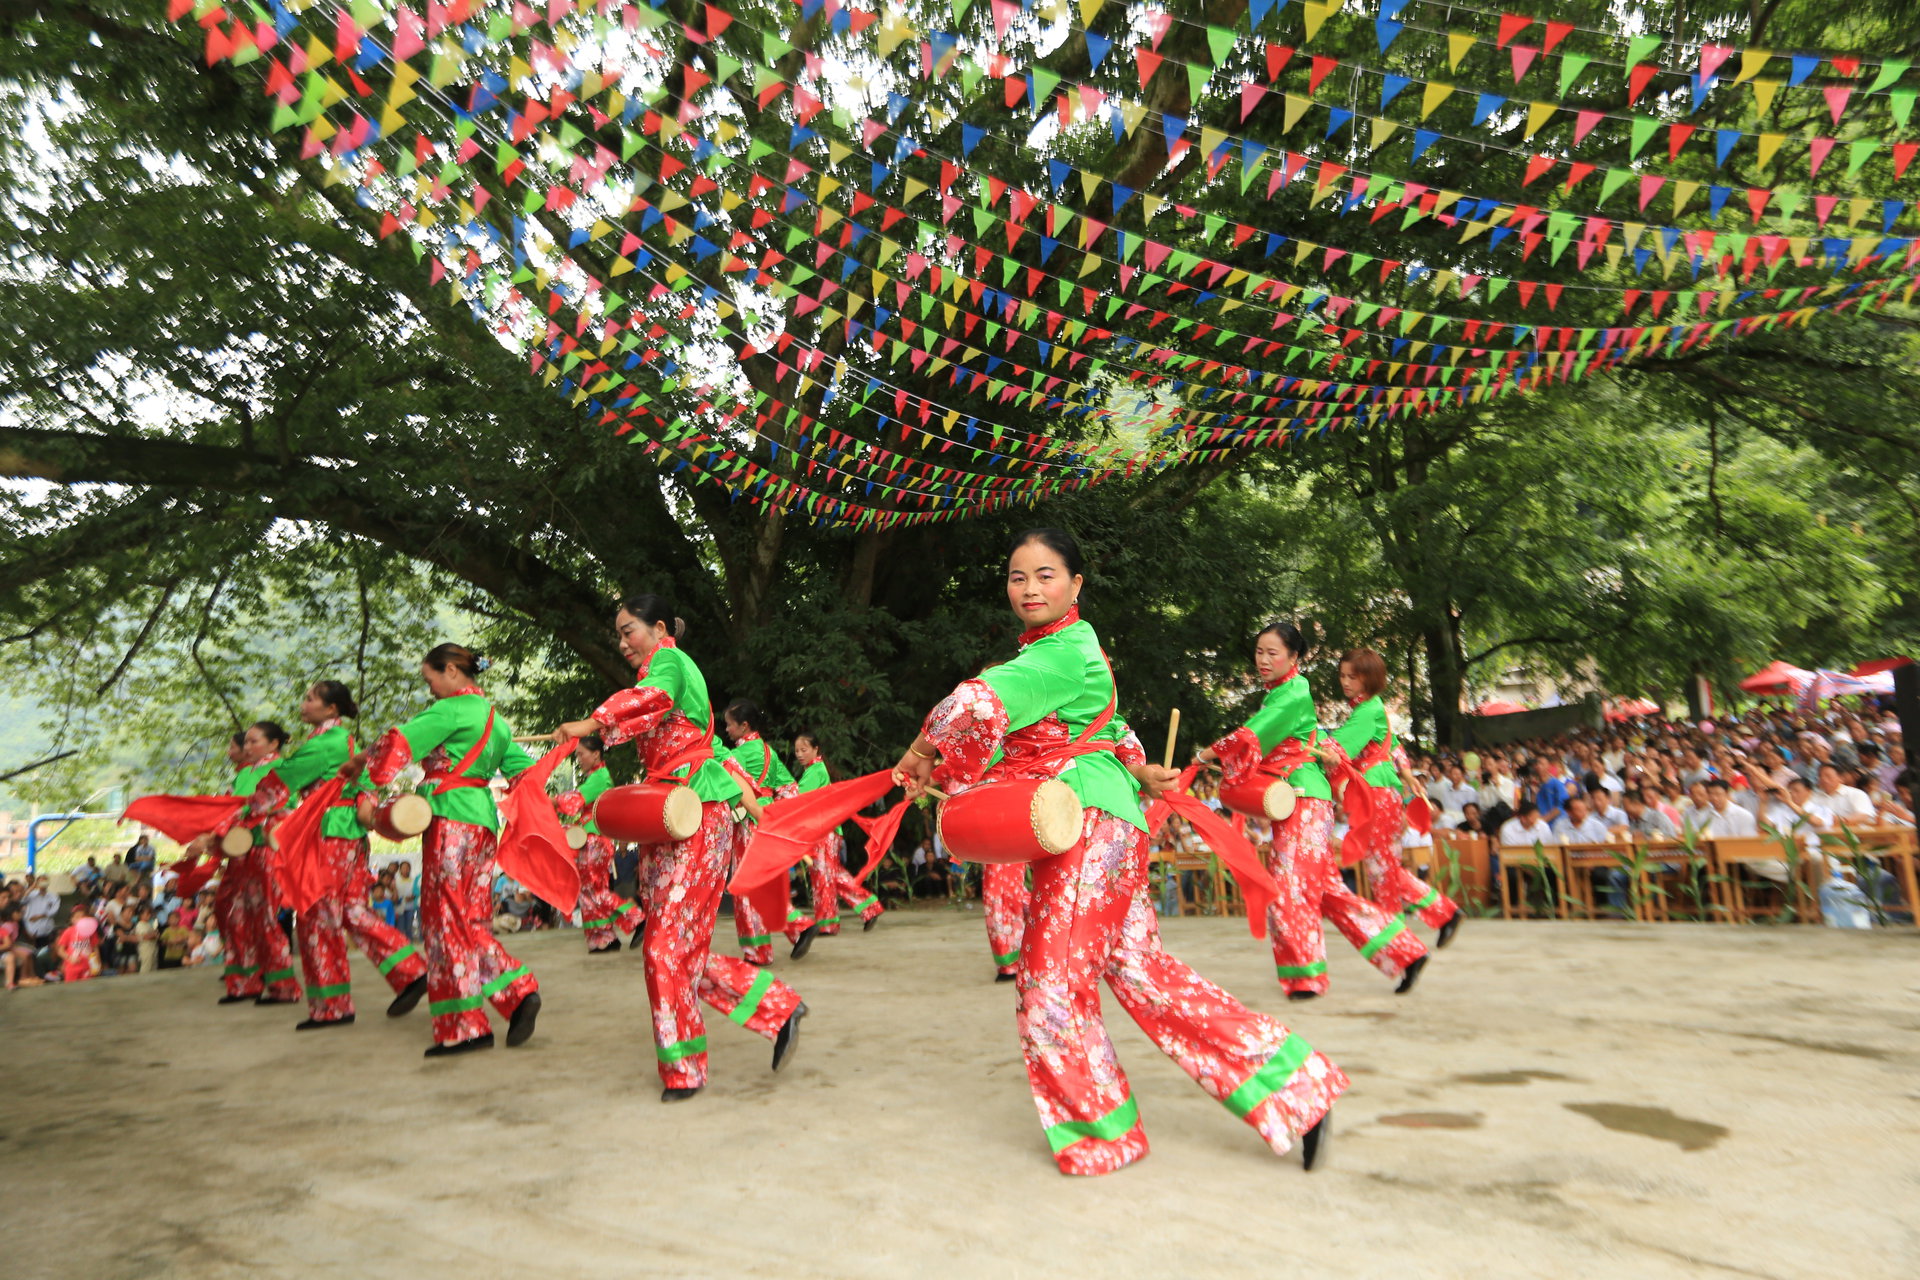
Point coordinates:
[(1434, 94), (1458, 44), (1751, 60), (1316, 14), (1763, 91), (1296, 106), (1382, 130), (1769, 143), (1538, 113)]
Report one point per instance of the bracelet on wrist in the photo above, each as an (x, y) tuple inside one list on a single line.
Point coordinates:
[(924, 755)]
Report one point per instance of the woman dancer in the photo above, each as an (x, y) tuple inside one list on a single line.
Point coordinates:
[(761, 777), (323, 928), (1049, 712), (668, 718), (460, 744), (1367, 741), (1278, 744), (601, 909), (241, 978), (267, 961), (831, 883)]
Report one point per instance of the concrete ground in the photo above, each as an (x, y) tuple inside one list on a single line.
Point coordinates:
[(1554, 1100)]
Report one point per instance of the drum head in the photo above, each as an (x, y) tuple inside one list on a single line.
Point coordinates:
[(410, 815), (1281, 798), (576, 838), (681, 814), (1056, 816), (238, 842)]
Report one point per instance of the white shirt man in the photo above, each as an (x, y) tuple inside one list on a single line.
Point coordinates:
[(39, 912), (1527, 830), (1452, 794), (1725, 820), (1847, 804), (1581, 825), (1607, 809), (1645, 821)]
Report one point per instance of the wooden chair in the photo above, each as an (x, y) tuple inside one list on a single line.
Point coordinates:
[(1730, 857), (1580, 862), (1468, 854), (1521, 860), (1666, 874), (1194, 865), (1898, 845)]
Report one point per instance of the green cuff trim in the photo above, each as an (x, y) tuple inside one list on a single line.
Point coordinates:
[(459, 1004), (597, 924), (505, 980), (1011, 958), (1433, 896), (1115, 1124), (750, 1002), (386, 966), (328, 993), (824, 921), (758, 940), (872, 901), (1270, 1079), (1313, 970), (1381, 939), (278, 975), (794, 915), (683, 1049)]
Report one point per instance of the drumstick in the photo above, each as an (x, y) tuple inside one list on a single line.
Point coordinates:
[(1173, 732)]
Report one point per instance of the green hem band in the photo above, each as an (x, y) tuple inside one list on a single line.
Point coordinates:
[(278, 975), (1433, 896), (504, 981), (682, 1049), (1313, 970), (1115, 1124), (597, 924), (1270, 1079), (328, 993), (872, 901), (1011, 958), (386, 966), (758, 940), (459, 1004), (750, 1002), (1379, 940), (827, 920), (242, 970)]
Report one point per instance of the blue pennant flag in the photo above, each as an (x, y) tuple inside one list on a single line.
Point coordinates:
[(1488, 104), (1390, 87), (970, 136), (1386, 31), (1097, 47), (1422, 139), (1058, 171)]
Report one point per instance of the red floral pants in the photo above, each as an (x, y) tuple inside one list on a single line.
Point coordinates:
[(242, 974), (1003, 894), (833, 886), (601, 909), (680, 886), (466, 965), (267, 950), (1396, 890), (323, 930), (1311, 891), (1089, 919)]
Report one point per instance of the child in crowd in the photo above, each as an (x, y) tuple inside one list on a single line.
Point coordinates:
[(78, 947), (175, 939), (146, 940)]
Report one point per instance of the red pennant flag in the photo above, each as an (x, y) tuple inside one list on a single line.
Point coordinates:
[(1556, 32), (1147, 61), (1638, 78), (533, 847), (1511, 25)]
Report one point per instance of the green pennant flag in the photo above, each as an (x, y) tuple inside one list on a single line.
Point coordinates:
[(1571, 65), (1197, 76), (1615, 179), (1643, 131), (1638, 48)]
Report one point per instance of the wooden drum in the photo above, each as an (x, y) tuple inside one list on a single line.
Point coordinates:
[(403, 817), (1019, 820), (238, 842), (663, 812), (1261, 797)]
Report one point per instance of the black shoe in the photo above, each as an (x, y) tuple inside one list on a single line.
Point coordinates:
[(1313, 1143), (789, 1038), (607, 950), (461, 1046), (1006, 977), (520, 1026), (276, 999), (314, 1024), (866, 926), (238, 999), (1411, 976), (409, 996), (1303, 995), (678, 1095), (804, 942), (1447, 930)]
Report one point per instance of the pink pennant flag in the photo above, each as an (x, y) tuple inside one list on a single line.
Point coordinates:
[(1836, 96), (1523, 56)]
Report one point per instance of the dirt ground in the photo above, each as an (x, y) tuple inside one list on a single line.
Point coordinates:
[(1554, 1100)]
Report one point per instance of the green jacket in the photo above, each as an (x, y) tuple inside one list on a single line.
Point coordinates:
[(814, 777), (454, 724), (591, 788), (1288, 713), (672, 672), (316, 760), (1368, 724), (1065, 674)]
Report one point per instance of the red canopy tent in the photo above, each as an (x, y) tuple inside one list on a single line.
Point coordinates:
[(1497, 707), (1877, 665), (1633, 708), (1776, 677)]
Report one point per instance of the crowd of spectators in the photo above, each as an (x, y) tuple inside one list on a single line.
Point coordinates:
[(1781, 773)]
